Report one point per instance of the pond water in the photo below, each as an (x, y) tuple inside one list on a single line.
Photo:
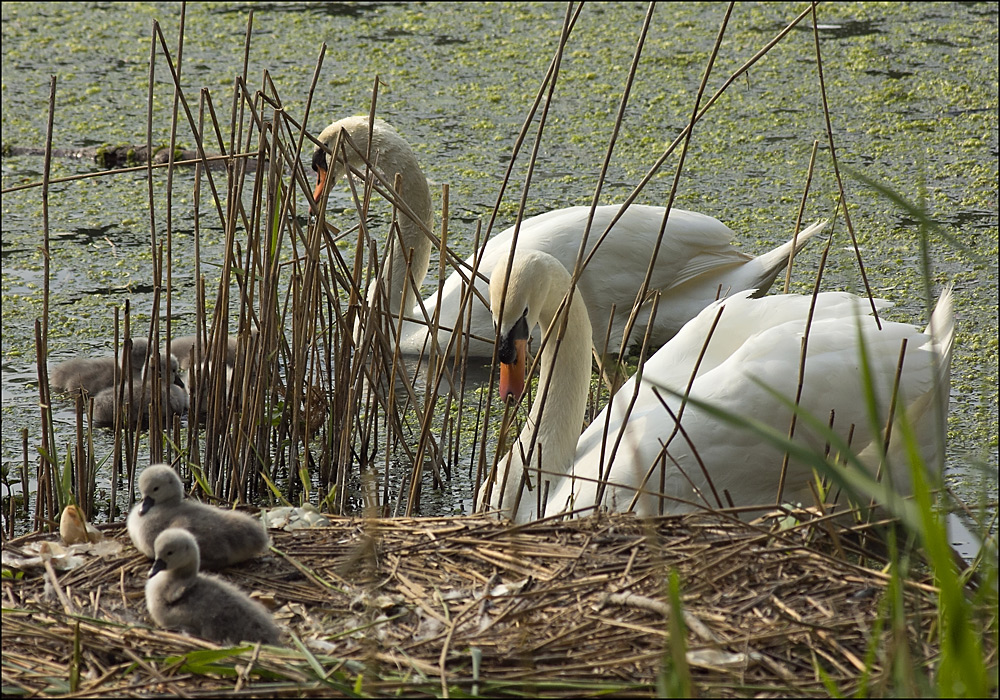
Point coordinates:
[(913, 103)]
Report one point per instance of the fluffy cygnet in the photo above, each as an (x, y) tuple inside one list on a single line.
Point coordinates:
[(178, 597), (200, 381), (183, 349), (200, 376), (139, 402), (224, 536), (94, 374)]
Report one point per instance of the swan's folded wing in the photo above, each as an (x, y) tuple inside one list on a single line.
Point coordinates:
[(714, 260)]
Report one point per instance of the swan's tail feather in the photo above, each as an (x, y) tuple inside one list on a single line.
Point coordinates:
[(942, 329), (778, 258), (772, 262), (807, 233)]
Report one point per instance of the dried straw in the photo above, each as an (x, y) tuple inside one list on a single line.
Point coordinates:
[(464, 604)]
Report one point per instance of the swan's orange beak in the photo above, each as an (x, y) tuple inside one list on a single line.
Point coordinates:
[(512, 375), (321, 175)]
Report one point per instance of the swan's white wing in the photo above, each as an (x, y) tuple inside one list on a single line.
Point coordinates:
[(743, 318), (693, 243), (760, 342)]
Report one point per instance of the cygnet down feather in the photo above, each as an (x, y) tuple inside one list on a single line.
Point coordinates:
[(178, 597), (224, 537), (94, 374), (139, 400)]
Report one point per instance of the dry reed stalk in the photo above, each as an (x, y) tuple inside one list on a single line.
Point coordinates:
[(46, 464), (836, 167), (168, 411), (152, 371), (218, 161), (841, 203), (25, 503), (548, 86), (798, 217)]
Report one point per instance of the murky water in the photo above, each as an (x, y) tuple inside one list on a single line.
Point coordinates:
[(912, 91)]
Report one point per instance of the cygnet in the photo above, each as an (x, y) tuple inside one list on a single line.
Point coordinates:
[(224, 536), (94, 374), (139, 402), (178, 597), (183, 349), (200, 382), (200, 375)]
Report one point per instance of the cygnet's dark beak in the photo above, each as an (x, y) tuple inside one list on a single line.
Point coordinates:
[(147, 503), (158, 566)]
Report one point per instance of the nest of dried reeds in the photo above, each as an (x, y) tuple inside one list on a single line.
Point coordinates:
[(464, 605)]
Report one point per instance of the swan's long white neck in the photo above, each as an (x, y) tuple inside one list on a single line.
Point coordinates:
[(558, 409), (391, 155)]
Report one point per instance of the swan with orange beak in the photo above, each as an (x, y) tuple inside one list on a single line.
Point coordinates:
[(741, 354), (409, 253), (536, 295)]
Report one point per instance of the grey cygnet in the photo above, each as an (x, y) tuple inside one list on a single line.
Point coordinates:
[(178, 597), (94, 374), (200, 376), (183, 349), (224, 537), (139, 403)]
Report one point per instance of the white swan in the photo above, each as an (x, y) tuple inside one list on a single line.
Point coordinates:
[(755, 338), (696, 257), (178, 597)]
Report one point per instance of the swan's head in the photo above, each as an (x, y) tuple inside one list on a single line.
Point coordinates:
[(530, 296), (355, 129), (168, 363)]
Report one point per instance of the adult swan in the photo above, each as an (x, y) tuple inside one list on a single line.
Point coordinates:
[(695, 260), (755, 339)]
